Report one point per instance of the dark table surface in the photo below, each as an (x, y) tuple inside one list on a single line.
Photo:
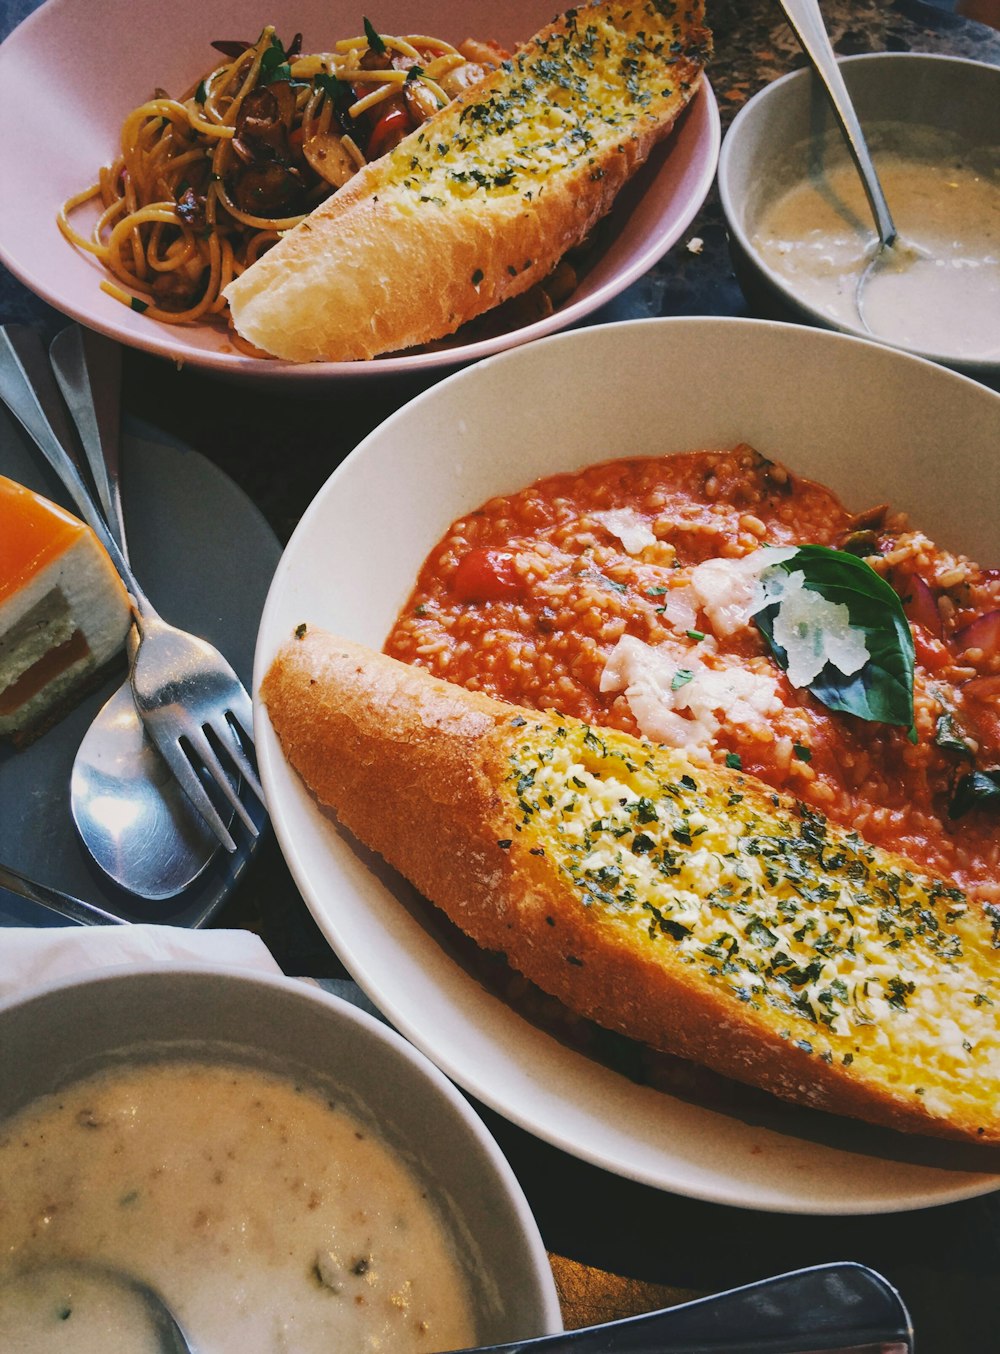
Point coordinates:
[(616, 1247)]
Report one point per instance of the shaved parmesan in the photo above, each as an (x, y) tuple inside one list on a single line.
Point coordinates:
[(727, 589), (630, 527), (680, 610), (685, 711), (814, 631)]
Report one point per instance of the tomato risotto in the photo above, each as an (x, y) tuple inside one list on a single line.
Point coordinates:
[(616, 595)]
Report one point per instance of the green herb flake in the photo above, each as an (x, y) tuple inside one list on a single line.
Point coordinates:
[(696, 635), (374, 40), (948, 735), (734, 761), (802, 752), (980, 789), (681, 678)]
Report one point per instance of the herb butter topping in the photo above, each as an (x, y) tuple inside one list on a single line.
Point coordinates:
[(605, 68), (840, 947)]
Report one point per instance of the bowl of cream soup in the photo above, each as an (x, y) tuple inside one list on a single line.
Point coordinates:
[(288, 1172), (801, 231)]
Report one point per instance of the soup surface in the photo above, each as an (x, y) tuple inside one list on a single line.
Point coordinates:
[(940, 291), (579, 594), (269, 1219)]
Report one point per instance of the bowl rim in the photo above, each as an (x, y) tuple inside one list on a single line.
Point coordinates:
[(735, 220), (362, 1024)]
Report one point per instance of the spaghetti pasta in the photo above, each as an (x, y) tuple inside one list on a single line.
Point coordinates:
[(204, 184)]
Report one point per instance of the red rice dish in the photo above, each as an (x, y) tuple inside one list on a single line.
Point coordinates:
[(529, 597)]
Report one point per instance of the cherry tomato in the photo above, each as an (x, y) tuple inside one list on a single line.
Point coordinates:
[(389, 131), (932, 653), (981, 710), (486, 576)]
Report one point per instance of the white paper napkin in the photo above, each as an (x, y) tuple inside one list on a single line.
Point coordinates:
[(30, 958)]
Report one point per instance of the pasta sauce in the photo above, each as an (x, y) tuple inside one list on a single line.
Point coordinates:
[(608, 595)]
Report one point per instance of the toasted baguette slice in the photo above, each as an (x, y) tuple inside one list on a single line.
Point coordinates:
[(689, 907), (483, 200)]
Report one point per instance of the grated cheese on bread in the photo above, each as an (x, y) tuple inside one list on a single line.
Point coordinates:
[(484, 199), (690, 907)]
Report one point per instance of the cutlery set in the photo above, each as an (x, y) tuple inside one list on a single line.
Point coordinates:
[(177, 739)]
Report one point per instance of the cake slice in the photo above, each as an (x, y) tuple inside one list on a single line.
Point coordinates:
[(64, 612), (483, 200), (686, 906)]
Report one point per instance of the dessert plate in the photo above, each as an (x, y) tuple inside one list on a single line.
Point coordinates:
[(174, 500)]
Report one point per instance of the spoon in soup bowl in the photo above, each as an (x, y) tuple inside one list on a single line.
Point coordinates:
[(84, 1305), (842, 1306), (890, 252)]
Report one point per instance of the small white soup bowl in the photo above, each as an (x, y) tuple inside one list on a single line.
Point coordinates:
[(61, 1033), (789, 124)]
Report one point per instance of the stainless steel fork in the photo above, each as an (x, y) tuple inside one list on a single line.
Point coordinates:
[(195, 708)]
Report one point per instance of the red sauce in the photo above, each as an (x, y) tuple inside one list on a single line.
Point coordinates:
[(526, 597)]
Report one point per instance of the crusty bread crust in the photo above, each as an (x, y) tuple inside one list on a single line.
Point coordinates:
[(415, 768), (428, 237)]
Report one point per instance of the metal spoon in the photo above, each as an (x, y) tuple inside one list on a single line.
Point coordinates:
[(59, 1290), (841, 1306), (132, 815), (826, 1307), (889, 251)]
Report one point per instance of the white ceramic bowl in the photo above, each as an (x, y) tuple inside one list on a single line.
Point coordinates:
[(873, 423), (103, 57), (767, 146), (61, 1033)]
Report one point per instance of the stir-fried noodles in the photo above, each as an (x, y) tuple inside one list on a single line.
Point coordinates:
[(205, 183)]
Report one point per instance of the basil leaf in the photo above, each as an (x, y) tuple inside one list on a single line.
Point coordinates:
[(882, 691), (274, 63), (374, 40), (333, 88), (976, 790), (949, 736)]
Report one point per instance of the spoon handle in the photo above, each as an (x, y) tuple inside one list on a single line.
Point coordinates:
[(807, 24), (826, 1307), (74, 909), (29, 390)]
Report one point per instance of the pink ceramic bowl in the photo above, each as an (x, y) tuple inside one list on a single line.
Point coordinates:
[(103, 57)]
